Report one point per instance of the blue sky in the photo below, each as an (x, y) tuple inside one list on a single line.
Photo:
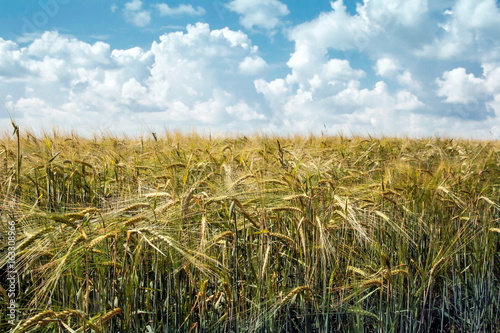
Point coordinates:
[(379, 67)]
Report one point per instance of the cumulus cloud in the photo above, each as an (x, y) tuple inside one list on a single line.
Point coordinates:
[(321, 89), (340, 70), (384, 29), (387, 67), (491, 73), (407, 101), (459, 87), (470, 25), (390, 69), (244, 112), (325, 88), (406, 79), (333, 29), (252, 66), (11, 56), (265, 14), (166, 10), (136, 14), (472, 97), (402, 13), (133, 6), (372, 70), (133, 13), (184, 79)]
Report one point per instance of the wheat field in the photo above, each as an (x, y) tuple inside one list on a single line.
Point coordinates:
[(191, 233)]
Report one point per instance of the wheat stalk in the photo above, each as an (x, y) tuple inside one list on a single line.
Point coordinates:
[(35, 319), (111, 314)]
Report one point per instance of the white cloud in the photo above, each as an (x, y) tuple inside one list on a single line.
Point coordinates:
[(276, 92), (166, 10), (390, 68), (133, 6), (311, 106), (470, 96), (135, 15), (340, 70), (459, 87), (403, 13), (11, 60), (264, 14), (491, 73), (353, 98), (252, 65), (333, 30), (199, 77), (387, 67), (132, 90), (185, 79), (54, 45), (321, 89), (141, 19), (471, 26), (406, 101), (406, 79), (244, 112)]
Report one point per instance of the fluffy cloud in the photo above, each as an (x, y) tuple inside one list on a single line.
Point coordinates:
[(373, 71), (390, 69), (263, 14), (54, 46), (334, 29), (11, 56), (166, 10), (387, 67), (459, 87), (136, 14), (470, 25), (133, 13), (322, 88), (244, 112), (491, 73), (471, 97), (252, 66), (184, 79), (387, 12), (340, 70)]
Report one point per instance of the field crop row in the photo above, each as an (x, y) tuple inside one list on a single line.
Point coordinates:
[(185, 233)]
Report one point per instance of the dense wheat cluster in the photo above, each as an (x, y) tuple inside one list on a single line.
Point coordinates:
[(184, 233)]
